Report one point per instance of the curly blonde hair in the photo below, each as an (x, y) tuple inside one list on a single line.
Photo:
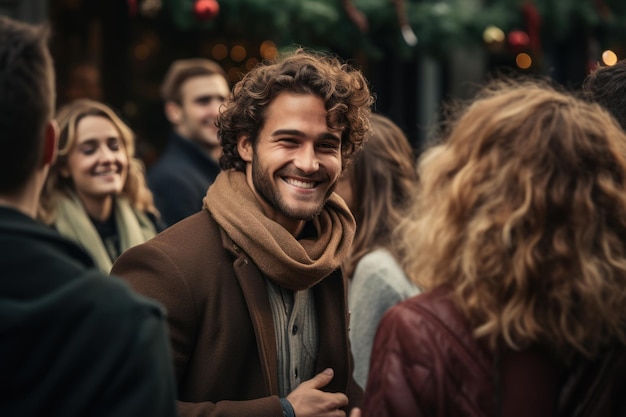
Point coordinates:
[(522, 213), (68, 117)]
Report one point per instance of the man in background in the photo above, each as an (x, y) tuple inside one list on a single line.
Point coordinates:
[(73, 341), (193, 91)]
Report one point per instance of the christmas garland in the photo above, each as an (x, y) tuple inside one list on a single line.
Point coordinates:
[(404, 26)]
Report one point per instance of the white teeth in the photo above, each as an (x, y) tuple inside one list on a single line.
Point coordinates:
[(300, 184)]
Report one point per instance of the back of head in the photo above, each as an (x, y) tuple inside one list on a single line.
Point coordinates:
[(607, 86), (26, 100), (522, 211), (184, 69), (343, 89), (383, 178)]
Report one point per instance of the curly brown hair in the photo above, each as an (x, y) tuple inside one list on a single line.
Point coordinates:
[(343, 89)]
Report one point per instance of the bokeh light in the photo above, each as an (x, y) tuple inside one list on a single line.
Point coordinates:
[(609, 57), (523, 60), (238, 53), (493, 34), (219, 51), (268, 50)]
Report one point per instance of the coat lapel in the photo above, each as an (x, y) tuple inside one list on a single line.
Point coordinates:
[(255, 293)]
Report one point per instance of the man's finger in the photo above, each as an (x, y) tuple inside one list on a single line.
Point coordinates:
[(322, 379)]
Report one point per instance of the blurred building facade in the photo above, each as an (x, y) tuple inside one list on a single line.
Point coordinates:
[(117, 51)]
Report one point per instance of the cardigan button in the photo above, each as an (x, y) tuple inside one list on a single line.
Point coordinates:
[(294, 329)]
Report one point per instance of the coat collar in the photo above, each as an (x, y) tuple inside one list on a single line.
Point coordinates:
[(331, 305)]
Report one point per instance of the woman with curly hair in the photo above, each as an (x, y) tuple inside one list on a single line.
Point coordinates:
[(377, 187), (96, 192), (517, 236)]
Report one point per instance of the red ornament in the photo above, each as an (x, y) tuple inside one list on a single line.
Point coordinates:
[(532, 20), (206, 9), (132, 8), (518, 39)]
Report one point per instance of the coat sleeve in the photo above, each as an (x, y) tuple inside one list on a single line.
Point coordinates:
[(400, 376), (152, 272)]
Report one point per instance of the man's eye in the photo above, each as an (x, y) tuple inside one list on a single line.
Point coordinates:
[(209, 99), (328, 146)]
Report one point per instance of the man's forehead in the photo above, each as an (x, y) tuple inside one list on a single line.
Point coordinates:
[(205, 85)]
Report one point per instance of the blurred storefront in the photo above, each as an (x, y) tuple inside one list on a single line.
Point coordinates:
[(417, 54)]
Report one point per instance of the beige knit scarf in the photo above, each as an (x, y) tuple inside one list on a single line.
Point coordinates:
[(72, 221), (291, 263)]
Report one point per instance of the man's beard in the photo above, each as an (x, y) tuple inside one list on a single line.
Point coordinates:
[(269, 193)]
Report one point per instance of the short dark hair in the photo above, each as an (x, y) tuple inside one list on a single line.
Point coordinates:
[(607, 86), (27, 98), (184, 69), (343, 89)]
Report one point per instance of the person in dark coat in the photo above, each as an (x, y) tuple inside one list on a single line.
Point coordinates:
[(193, 91), (73, 341)]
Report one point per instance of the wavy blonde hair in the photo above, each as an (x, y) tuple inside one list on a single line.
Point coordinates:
[(522, 212), (68, 117)]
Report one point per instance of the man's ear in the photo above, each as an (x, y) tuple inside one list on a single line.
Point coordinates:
[(51, 140), (173, 112), (244, 146)]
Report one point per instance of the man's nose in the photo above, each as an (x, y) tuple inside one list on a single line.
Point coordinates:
[(307, 160)]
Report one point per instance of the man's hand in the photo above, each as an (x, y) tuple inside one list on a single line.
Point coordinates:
[(356, 412), (308, 400)]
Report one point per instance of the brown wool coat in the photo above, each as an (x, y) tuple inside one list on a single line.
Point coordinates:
[(220, 320)]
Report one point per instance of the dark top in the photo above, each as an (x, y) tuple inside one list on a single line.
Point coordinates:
[(109, 234), (427, 362), (73, 341), (180, 178)]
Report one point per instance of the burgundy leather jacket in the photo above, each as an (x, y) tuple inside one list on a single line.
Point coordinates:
[(425, 362)]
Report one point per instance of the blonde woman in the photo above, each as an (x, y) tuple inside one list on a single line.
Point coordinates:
[(518, 237), (96, 193), (377, 187)]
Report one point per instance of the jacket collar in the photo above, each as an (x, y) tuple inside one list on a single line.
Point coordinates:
[(14, 222)]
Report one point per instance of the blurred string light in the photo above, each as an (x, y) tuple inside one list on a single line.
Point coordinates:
[(523, 60), (219, 51), (609, 57), (141, 51), (268, 50), (251, 63), (234, 74), (493, 34), (238, 53)]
